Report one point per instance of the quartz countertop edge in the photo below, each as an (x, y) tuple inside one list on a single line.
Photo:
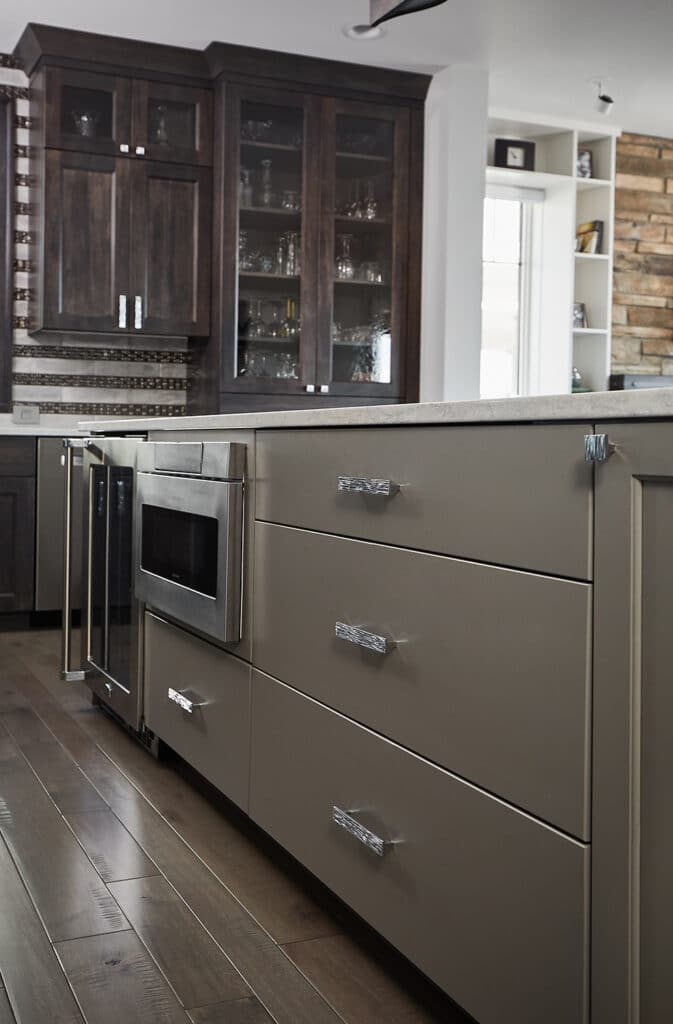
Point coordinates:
[(651, 403)]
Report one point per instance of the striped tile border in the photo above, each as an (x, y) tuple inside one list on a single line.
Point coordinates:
[(106, 352), (81, 380), (107, 409)]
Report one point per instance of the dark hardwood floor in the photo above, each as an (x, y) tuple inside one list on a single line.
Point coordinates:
[(128, 894)]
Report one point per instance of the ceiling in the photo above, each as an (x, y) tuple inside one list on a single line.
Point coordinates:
[(541, 54)]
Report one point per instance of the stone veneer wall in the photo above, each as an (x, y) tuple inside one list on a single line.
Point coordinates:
[(89, 374), (642, 314)]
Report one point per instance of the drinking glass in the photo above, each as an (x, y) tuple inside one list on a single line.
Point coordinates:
[(290, 326), (290, 201), (245, 195), (267, 197), (256, 325), (371, 207), (292, 254), (273, 326), (345, 267)]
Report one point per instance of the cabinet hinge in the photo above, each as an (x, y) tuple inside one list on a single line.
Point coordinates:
[(597, 448)]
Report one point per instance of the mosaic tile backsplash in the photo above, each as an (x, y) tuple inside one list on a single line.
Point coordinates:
[(80, 374)]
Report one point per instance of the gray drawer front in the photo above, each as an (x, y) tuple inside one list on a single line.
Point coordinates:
[(490, 675), (487, 902), (215, 738), (510, 495)]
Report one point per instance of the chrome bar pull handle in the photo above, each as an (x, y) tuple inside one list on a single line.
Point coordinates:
[(138, 312), (122, 320), (186, 699), (71, 460), (363, 638), (350, 824), (367, 485)]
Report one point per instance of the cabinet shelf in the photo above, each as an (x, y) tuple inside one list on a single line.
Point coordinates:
[(361, 284), (360, 222), (279, 147), (597, 256), (364, 157), (290, 339), (589, 330), (259, 274), (585, 183)]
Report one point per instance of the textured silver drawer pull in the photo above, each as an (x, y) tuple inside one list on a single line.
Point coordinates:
[(367, 485), (345, 820), (186, 699), (363, 638), (597, 448)]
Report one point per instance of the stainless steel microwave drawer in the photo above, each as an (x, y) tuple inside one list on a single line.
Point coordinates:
[(510, 495), (486, 901), (197, 700), (484, 670)]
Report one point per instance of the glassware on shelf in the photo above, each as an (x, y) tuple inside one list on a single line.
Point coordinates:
[(292, 247), (161, 129), (266, 196), (245, 195), (273, 327), (86, 123), (345, 267), (255, 131), (287, 366), (244, 262), (290, 201), (266, 263), (371, 206), (279, 263), (372, 273), (256, 325), (290, 326)]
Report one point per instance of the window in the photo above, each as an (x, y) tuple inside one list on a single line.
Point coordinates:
[(505, 313)]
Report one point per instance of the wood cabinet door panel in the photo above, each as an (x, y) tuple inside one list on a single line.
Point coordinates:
[(86, 112), (86, 241), (170, 247), (173, 122), (17, 543)]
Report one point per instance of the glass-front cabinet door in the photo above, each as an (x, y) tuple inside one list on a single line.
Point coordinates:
[(272, 198), (88, 113), (364, 241), (172, 122)]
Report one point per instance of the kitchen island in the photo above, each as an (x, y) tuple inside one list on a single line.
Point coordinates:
[(450, 697)]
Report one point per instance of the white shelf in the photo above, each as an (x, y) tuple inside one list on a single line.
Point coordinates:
[(590, 330), (596, 256), (585, 183), (525, 179)]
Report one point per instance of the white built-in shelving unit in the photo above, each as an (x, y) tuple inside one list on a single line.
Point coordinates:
[(560, 276)]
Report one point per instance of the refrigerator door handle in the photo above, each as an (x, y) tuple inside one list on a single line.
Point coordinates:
[(71, 459)]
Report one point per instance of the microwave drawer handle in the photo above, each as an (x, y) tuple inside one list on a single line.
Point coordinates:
[(367, 485), (355, 828), (187, 703), (363, 638)]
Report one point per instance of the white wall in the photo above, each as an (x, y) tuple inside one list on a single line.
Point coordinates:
[(456, 136)]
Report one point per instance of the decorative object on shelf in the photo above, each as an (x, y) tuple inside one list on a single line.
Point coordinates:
[(279, 265), (517, 154), (384, 10), (585, 163), (590, 237), (266, 196), (290, 201), (85, 123), (292, 260), (245, 194), (161, 128), (255, 131), (577, 381), (291, 325), (580, 318), (345, 267)]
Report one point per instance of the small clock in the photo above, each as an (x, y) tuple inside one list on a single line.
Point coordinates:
[(515, 153)]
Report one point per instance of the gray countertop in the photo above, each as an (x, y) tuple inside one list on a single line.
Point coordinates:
[(606, 405), (50, 425)]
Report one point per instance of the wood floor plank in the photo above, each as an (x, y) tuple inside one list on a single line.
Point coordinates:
[(359, 989), (67, 786), (115, 979), (197, 970), (278, 902), (243, 1011), (35, 983), (112, 850), (68, 893), (6, 1015)]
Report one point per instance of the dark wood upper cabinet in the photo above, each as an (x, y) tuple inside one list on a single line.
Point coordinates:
[(173, 122), (83, 282), (84, 112), (170, 248)]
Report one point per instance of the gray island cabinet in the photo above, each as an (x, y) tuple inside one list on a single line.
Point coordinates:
[(453, 703)]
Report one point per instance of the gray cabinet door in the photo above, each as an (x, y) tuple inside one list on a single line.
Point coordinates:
[(489, 903), (489, 674), (518, 495), (632, 884), (50, 528)]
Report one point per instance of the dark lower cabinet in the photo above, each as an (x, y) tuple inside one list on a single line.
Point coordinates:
[(170, 248), (17, 543)]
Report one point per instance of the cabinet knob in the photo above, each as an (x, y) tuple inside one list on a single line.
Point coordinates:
[(597, 448), (310, 389), (324, 389), (124, 148), (123, 315), (138, 312), (140, 151)]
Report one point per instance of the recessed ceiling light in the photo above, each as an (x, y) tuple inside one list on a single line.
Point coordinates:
[(363, 31)]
